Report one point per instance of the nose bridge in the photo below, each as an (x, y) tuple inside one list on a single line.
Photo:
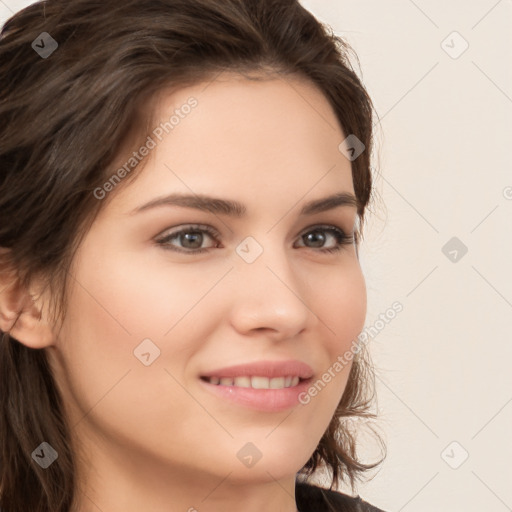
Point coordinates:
[(268, 289)]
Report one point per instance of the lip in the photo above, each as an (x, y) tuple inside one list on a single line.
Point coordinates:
[(264, 400), (268, 369)]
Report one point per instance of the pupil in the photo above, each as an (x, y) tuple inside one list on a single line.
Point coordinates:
[(317, 237), (190, 237)]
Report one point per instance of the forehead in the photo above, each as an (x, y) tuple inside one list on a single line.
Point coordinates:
[(259, 141)]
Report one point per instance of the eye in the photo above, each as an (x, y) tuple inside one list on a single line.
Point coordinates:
[(191, 239), (318, 238)]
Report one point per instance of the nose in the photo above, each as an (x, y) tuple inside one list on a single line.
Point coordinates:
[(269, 297)]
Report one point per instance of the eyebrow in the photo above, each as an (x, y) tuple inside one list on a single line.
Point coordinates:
[(236, 209)]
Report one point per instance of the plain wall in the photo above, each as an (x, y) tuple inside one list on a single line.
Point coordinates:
[(445, 170)]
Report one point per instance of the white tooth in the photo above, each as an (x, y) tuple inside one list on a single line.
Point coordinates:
[(226, 381), (288, 381), (295, 381), (277, 383), (242, 382), (214, 380), (259, 382)]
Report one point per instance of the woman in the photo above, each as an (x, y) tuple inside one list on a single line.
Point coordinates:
[(183, 187)]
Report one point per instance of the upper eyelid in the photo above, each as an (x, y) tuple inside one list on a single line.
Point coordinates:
[(188, 227)]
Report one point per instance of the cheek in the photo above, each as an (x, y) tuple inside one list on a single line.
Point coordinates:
[(109, 313), (343, 307), (115, 304), (145, 296)]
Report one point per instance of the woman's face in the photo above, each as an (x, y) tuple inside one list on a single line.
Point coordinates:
[(148, 318)]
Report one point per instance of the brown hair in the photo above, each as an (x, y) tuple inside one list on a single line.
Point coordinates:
[(66, 117)]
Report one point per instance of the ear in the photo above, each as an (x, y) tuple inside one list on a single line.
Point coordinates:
[(22, 314)]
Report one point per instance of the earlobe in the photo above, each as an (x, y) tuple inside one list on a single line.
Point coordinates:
[(22, 316)]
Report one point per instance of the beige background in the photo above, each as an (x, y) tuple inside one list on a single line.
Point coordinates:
[(445, 165), (444, 171)]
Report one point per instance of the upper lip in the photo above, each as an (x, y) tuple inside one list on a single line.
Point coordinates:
[(268, 369)]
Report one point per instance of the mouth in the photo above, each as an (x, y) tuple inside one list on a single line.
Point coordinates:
[(269, 386)]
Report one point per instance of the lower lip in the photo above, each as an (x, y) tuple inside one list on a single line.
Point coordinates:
[(266, 400)]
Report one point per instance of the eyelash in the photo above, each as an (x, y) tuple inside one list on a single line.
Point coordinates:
[(342, 238)]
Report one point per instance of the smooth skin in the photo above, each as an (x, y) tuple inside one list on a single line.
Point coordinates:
[(152, 437)]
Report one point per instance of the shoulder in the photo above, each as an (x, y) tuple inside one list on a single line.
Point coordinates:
[(311, 498)]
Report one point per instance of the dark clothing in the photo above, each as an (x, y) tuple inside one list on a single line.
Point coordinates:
[(310, 498)]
